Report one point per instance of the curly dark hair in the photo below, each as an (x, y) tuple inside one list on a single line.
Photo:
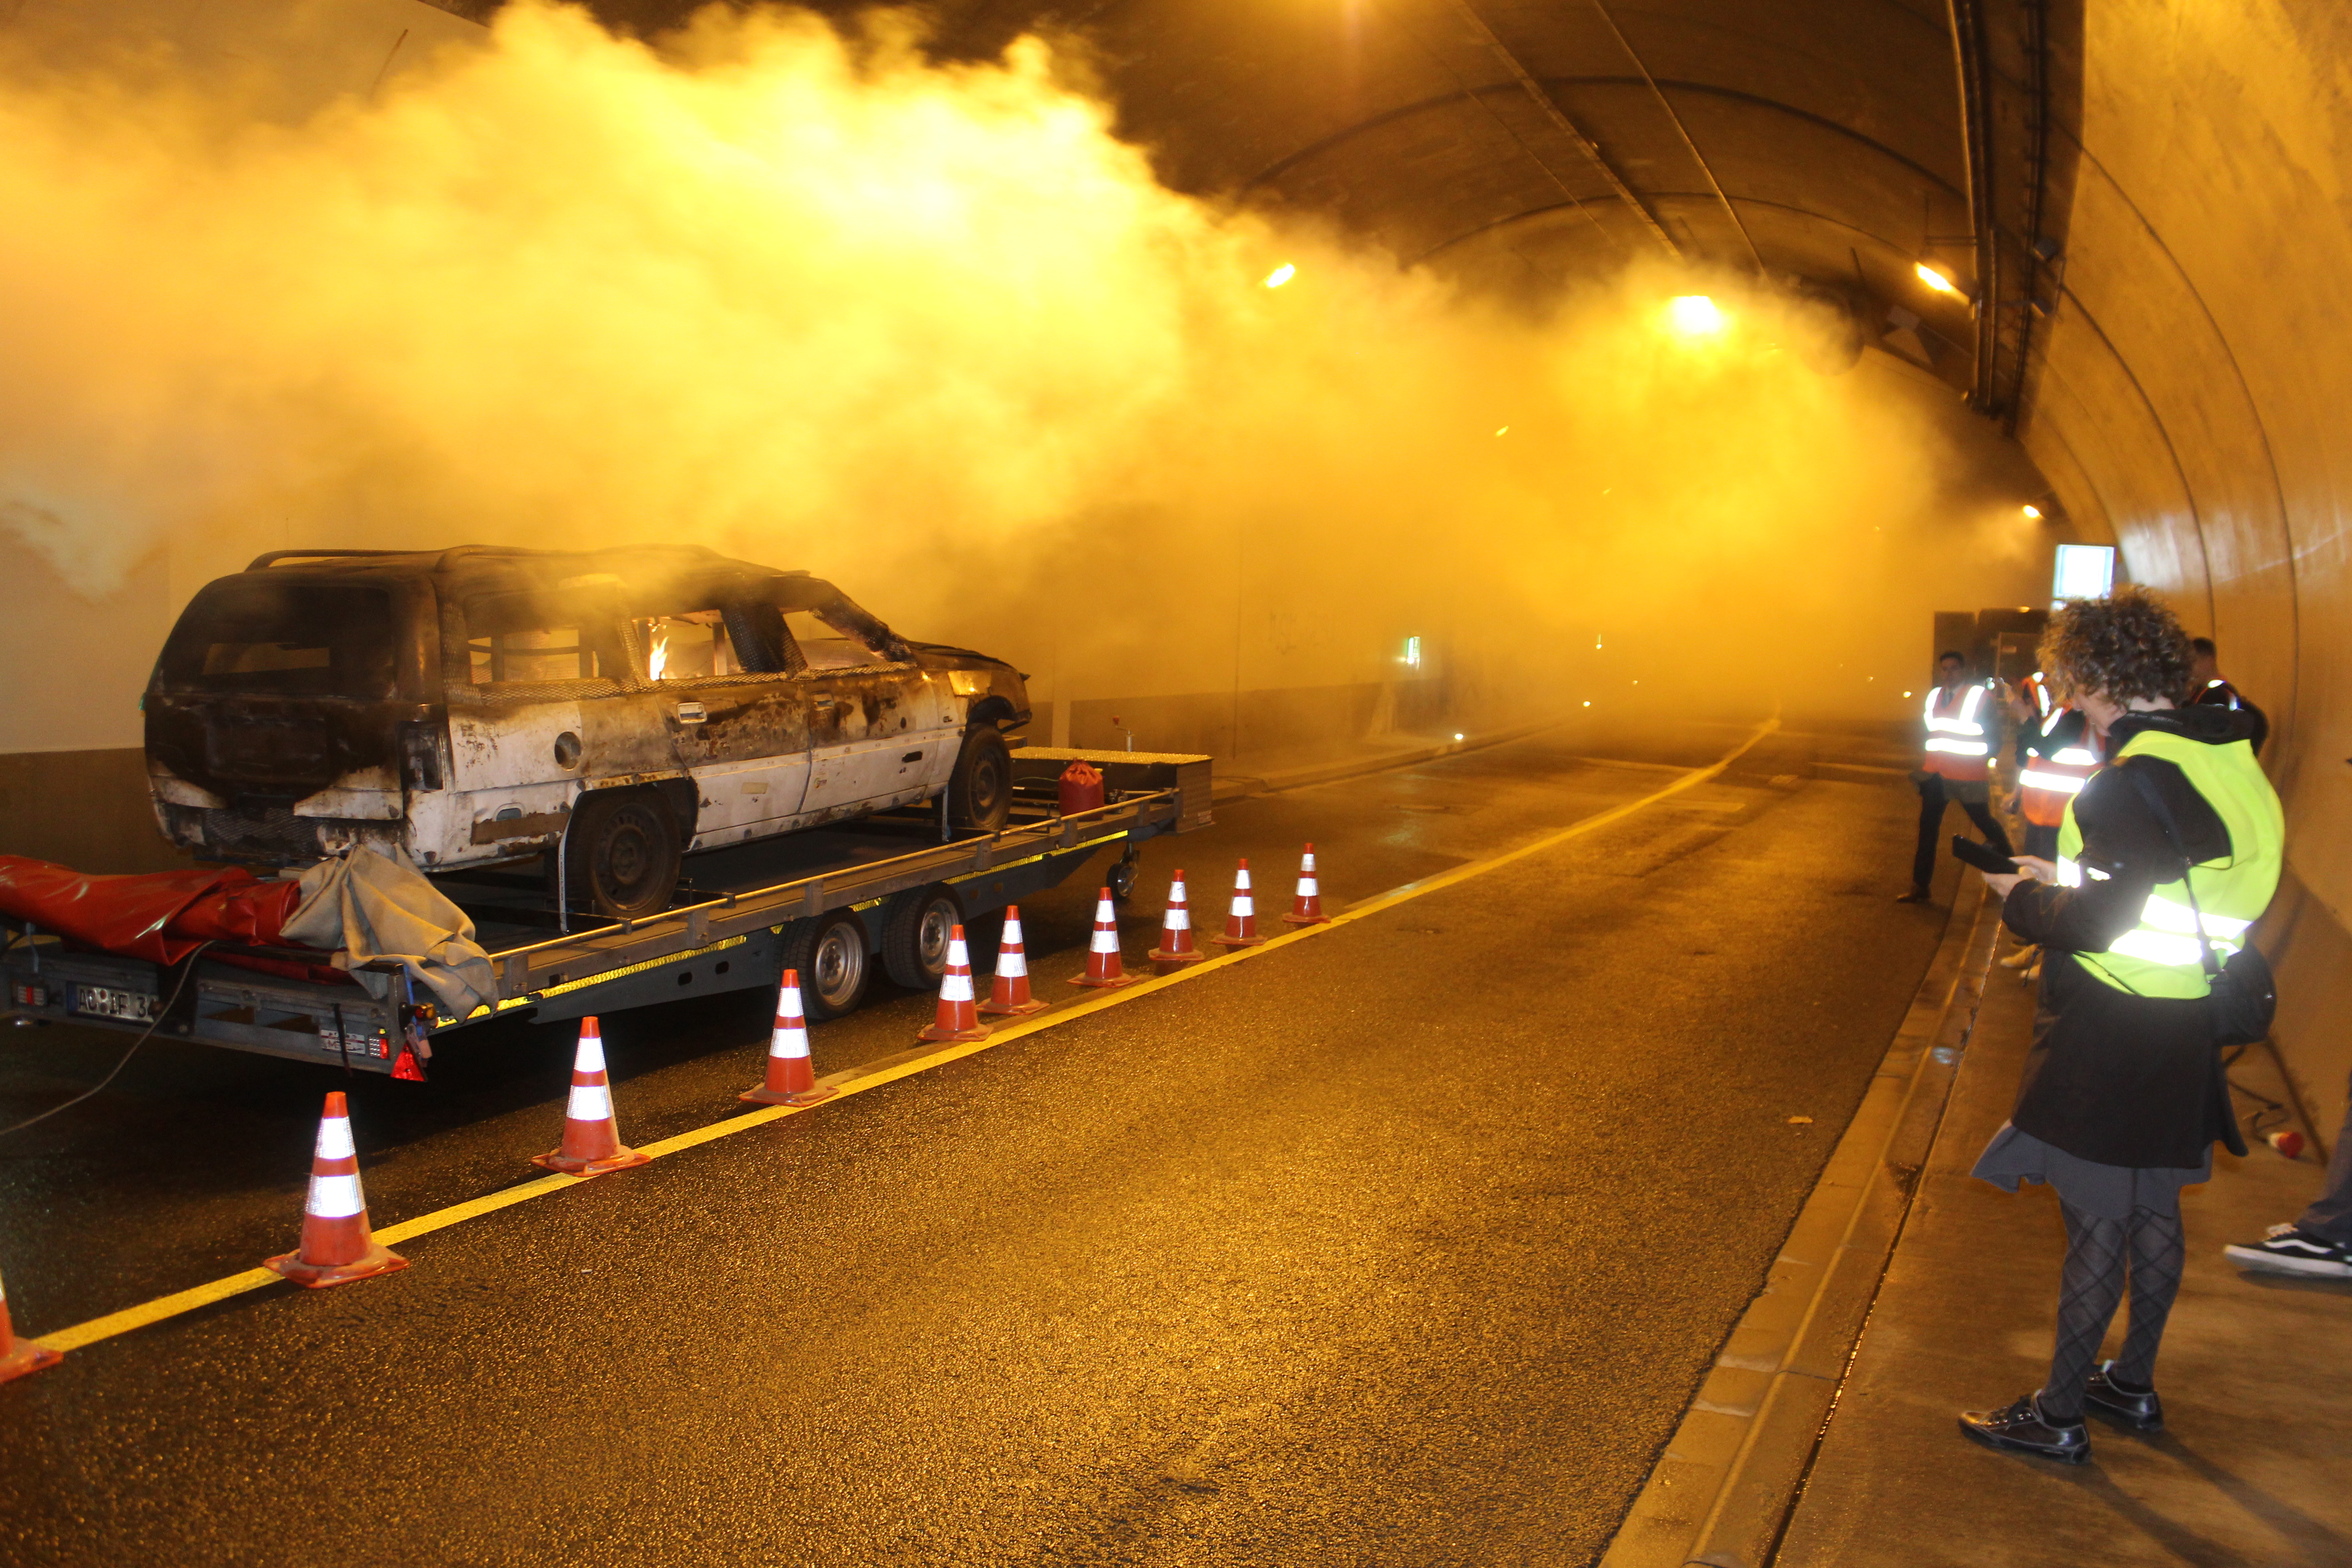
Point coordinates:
[(2127, 645)]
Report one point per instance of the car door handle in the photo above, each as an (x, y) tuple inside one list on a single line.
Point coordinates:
[(691, 714), (912, 757)]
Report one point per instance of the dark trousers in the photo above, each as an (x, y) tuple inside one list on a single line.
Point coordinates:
[(2330, 1214), (1932, 801)]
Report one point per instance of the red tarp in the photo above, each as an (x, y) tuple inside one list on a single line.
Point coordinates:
[(159, 917)]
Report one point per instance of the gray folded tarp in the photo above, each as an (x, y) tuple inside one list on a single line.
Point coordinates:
[(365, 904)]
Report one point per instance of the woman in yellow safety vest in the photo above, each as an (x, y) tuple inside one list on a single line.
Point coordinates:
[(2123, 1095)]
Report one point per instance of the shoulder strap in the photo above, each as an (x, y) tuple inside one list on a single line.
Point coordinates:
[(2148, 792)]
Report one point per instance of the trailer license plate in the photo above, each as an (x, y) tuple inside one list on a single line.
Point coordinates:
[(106, 1002)]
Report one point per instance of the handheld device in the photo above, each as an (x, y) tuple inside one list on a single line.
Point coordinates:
[(1970, 852)]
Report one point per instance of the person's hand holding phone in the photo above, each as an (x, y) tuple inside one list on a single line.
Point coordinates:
[(2030, 868)]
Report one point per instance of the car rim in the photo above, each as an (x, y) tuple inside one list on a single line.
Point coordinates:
[(838, 968), (938, 921)]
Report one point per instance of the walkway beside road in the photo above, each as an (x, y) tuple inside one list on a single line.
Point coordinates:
[(2255, 1468)]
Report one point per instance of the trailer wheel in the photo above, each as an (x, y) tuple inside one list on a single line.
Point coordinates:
[(830, 953), (979, 791), (915, 936), (623, 855)]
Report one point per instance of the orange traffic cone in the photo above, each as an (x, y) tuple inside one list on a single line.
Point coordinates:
[(1241, 917), (1307, 906), (17, 1356), (1103, 971), (957, 1019), (1008, 994), (337, 1246), (792, 1080), (592, 1134), (1176, 950)]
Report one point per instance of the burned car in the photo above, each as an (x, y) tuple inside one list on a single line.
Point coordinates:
[(613, 710)]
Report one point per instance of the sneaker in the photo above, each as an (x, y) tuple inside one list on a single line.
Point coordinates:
[(2286, 1249), (2127, 1405), (1919, 894), (2018, 1429)]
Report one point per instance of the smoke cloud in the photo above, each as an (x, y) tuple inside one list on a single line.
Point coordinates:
[(935, 333)]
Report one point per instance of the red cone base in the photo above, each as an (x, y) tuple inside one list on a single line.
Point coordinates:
[(556, 1160), (25, 1356), (763, 1095), (377, 1259)]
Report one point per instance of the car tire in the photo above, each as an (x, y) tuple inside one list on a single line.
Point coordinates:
[(830, 953), (979, 791), (622, 854), (915, 936)]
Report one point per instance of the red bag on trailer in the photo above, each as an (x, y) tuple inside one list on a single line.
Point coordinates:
[(159, 916)]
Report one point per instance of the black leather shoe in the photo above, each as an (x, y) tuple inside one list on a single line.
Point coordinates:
[(2139, 1409), (1916, 896), (2020, 1429)]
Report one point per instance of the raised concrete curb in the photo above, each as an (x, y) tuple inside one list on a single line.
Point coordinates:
[(1720, 1494)]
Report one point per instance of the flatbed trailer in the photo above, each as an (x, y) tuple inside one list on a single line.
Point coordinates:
[(885, 886)]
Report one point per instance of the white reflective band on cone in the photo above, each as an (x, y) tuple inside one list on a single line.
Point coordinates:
[(589, 1102), (1104, 942), (1308, 889), (956, 988), (1178, 919), (591, 1054), (788, 1002), (335, 1139), (2064, 783), (1243, 904), (1012, 937), (2075, 756), (1957, 748), (1011, 965), (335, 1197), (788, 1043)]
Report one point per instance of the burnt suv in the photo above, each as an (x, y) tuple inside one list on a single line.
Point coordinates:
[(612, 709)]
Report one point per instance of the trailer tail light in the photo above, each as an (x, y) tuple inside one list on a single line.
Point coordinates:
[(28, 993)]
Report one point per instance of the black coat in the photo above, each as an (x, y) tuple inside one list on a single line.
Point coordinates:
[(2112, 1076)]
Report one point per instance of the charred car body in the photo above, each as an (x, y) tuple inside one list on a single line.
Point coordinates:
[(613, 710)]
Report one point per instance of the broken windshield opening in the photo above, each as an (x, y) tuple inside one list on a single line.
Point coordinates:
[(283, 639)]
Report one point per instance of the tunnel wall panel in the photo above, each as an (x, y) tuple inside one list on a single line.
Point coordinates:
[(2208, 242)]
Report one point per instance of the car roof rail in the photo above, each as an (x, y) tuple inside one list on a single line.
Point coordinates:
[(271, 558)]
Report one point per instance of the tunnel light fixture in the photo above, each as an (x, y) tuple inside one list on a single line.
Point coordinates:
[(1935, 277), (1412, 652), (1281, 275), (1503, 431), (2032, 513), (1457, 734), (1695, 315)]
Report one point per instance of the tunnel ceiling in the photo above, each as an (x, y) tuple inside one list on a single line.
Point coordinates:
[(1519, 145)]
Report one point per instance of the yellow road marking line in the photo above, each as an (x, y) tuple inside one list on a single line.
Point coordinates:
[(891, 1068)]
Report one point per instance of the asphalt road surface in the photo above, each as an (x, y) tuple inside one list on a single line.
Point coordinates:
[(1407, 1244)]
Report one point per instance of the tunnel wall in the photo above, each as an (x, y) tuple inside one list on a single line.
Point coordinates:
[(2191, 392)]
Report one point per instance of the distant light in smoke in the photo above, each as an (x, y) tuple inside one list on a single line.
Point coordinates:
[(1457, 734), (1934, 279), (1412, 652), (1694, 314), (1281, 275), (1588, 702), (1906, 694), (1503, 431), (2032, 513)]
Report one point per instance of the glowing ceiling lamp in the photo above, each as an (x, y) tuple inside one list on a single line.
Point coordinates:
[(1281, 275), (1694, 315), (2032, 513), (1937, 279)]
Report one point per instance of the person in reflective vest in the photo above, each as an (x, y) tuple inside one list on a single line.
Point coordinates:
[(2057, 755), (2123, 1094), (1957, 766), (2209, 689)]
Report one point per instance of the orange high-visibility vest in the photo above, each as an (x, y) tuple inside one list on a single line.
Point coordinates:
[(1957, 745), (2061, 758)]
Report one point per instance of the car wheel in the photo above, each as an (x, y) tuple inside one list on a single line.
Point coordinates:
[(915, 936), (979, 791), (830, 953), (622, 856)]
